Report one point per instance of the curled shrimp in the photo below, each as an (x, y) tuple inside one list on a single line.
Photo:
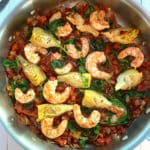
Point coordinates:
[(84, 122), (55, 16), (49, 131), (88, 29), (24, 97), (97, 20), (75, 19), (135, 52), (65, 30), (74, 53), (91, 63), (31, 52), (65, 69), (50, 94)]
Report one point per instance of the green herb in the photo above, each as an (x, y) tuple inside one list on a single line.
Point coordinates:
[(124, 64), (98, 85), (52, 27), (147, 94), (84, 81), (82, 69), (41, 96), (56, 64), (29, 34), (83, 141), (123, 46), (81, 61), (74, 9), (86, 110), (70, 41), (13, 64), (96, 129), (107, 63), (22, 84), (110, 23), (133, 93), (72, 126), (88, 12), (97, 45)]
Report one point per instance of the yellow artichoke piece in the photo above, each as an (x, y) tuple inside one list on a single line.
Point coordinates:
[(44, 39), (76, 79), (93, 99), (52, 110), (33, 72), (116, 35), (128, 79), (88, 29)]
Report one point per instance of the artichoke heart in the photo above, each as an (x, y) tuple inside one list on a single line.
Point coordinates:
[(93, 99), (128, 79), (51, 110), (122, 35), (33, 72), (76, 79), (44, 39)]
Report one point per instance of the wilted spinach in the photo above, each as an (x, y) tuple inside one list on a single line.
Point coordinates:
[(13, 64)]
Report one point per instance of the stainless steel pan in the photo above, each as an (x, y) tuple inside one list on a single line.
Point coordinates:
[(13, 16)]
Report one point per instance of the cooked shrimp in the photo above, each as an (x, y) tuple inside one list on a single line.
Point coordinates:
[(97, 20), (74, 53), (65, 69), (88, 29), (24, 97), (49, 131), (92, 61), (55, 56), (122, 35), (75, 19), (55, 16), (31, 52), (63, 31), (84, 122), (135, 52), (50, 94)]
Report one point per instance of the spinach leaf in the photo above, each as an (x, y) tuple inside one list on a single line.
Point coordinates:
[(88, 12), (22, 84), (74, 9), (56, 64), (98, 85), (52, 27), (123, 46), (110, 23), (147, 94), (124, 64), (81, 61), (96, 129), (82, 69), (29, 34), (107, 63), (83, 141), (84, 81), (97, 45), (70, 41), (133, 93), (13, 64), (72, 126)]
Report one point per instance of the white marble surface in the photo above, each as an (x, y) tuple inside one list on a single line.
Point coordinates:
[(7, 143)]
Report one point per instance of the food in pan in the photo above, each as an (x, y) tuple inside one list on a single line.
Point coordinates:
[(76, 77)]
